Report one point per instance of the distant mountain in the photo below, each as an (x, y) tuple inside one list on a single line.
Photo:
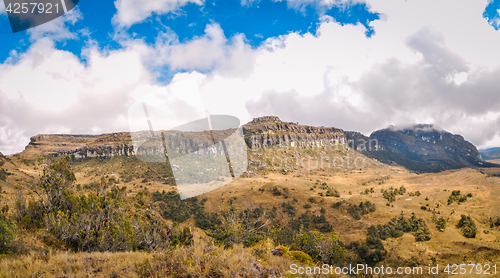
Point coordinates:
[(423, 148), (420, 147), (491, 153)]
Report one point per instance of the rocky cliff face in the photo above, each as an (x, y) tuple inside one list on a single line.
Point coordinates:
[(260, 133), (120, 144), (81, 146), (421, 148), (271, 131)]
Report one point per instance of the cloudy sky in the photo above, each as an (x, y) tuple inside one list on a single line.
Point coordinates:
[(353, 64)]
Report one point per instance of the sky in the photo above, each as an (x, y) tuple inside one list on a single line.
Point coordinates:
[(358, 65)]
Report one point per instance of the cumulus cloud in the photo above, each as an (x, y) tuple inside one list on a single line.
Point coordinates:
[(57, 29), (212, 51), (130, 12), (47, 90), (50, 90), (397, 92)]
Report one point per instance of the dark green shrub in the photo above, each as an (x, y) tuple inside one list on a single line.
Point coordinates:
[(467, 226), (7, 232), (276, 191), (289, 209), (441, 223)]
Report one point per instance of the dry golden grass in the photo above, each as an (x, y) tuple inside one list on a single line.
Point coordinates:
[(202, 259), (448, 246)]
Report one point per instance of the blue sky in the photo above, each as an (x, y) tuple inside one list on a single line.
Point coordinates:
[(353, 64)]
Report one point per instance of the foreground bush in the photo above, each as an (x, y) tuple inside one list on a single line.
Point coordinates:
[(104, 219), (202, 259)]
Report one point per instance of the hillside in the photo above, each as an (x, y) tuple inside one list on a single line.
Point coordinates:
[(419, 148), (423, 148), (300, 179), (490, 154)]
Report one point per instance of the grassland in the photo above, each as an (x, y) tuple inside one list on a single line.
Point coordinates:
[(302, 177)]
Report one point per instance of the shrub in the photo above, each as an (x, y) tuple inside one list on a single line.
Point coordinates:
[(237, 226), (301, 257), (416, 193), (276, 191), (104, 219), (441, 223), (3, 174), (289, 208), (324, 248), (332, 192), (390, 194), (7, 232), (362, 209), (397, 227), (173, 208), (456, 196), (468, 226)]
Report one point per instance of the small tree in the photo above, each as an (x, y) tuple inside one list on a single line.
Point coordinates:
[(468, 227)]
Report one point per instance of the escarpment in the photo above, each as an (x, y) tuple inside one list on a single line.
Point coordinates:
[(270, 131), (260, 133), (420, 148)]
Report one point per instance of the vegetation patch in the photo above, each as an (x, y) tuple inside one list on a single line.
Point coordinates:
[(396, 228), (390, 195), (356, 211), (467, 226), (456, 196)]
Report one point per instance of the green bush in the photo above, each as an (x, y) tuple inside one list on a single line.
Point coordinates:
[(289, 209), (300, 257), (332, 192), (390, 194), (363, 209), (276, 191), (397, 227), (467, 226), (7, 232), (3, 174), (441, 223), (323, 248), (104, 219), (456, 196)]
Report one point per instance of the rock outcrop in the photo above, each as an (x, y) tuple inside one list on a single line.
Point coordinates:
[(420, 148), (271, 131)]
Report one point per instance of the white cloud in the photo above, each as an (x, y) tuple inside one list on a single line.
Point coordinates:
[(427, 63), (57, 29), (50, 90), (320, 5), (495, 22), (130, 12), (248, 2), (2, 8), (210, 51)]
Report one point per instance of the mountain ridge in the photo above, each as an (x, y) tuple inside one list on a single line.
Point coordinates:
[(418, 147)]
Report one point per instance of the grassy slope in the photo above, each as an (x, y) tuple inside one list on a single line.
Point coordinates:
[(200, 259), (446, 247)]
